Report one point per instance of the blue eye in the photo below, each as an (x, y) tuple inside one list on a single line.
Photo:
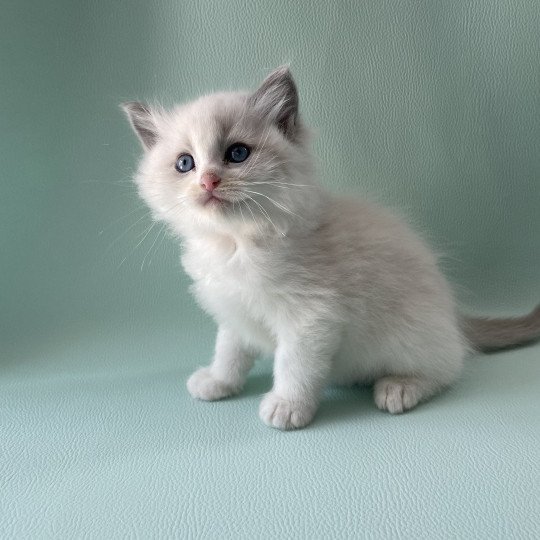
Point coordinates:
[(236, 153), (184, 163)]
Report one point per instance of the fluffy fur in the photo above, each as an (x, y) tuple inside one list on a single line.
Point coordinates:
[(335, 288)]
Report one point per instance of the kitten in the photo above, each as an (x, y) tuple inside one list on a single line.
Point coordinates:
[(335, 288)]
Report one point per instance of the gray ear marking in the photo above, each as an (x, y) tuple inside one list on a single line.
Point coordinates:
[(142, 121), (277, 100)]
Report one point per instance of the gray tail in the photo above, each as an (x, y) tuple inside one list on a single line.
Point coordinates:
[(488, 335)]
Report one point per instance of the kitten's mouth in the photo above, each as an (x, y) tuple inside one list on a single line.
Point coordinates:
[(211, 200)]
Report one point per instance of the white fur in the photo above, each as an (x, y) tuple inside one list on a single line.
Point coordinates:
[(336, 288)]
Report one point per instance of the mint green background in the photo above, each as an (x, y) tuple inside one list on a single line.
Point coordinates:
[(430, 107)]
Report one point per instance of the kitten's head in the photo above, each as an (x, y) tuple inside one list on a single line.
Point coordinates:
[(233, 161)]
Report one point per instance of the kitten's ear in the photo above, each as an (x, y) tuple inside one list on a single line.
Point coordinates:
[(277, 100), (143, 122)]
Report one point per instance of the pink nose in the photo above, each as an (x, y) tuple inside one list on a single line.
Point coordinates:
[(210, 181)]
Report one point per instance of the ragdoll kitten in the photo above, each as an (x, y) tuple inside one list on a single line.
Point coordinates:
[(335, 288)]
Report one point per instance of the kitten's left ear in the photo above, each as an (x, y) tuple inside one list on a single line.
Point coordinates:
[(277, 100), (143, 122)]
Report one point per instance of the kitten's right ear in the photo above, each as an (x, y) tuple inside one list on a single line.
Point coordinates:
[(143, 122)]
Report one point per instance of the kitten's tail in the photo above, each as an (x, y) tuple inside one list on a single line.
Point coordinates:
[(487, 335)]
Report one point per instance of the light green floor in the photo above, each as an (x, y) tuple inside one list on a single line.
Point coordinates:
[(100, 439)]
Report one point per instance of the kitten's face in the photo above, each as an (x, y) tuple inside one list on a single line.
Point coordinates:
[(226, 159)]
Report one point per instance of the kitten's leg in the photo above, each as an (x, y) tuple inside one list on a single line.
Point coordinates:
[(396, 394), (301, 369), (227, 373)]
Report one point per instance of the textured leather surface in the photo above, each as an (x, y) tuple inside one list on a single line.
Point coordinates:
[(101, 439), (432, 107)]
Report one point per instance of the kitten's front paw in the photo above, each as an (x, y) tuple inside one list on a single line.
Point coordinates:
[(203, 385), (284, 414)]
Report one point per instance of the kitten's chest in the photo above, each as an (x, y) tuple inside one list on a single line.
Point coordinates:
[(218, 261), (229, 278)]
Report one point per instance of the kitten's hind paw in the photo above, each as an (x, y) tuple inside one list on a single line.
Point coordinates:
[(284, 414), (397, 394), (203, 385)]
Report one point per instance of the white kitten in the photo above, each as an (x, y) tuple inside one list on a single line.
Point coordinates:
[(335, 288)]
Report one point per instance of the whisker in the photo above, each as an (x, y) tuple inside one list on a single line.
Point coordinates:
[(153, 244), (241, 213), (278, 183), (253, 215), (124, 233), (266, 215), (138, 244), (278, 205), (239, 201), (262, 208), (139, 208), (181, 201), (117, 239)]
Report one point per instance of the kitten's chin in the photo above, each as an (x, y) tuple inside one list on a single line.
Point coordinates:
[(213, 207)]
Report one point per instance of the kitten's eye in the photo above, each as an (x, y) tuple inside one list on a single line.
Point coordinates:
[(184, 163), (236, 153)]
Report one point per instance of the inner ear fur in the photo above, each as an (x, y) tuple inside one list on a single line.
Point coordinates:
[(143, 121), (277, 100)]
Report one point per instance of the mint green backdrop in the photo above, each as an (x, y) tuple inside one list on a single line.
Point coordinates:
[(431, 107)]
